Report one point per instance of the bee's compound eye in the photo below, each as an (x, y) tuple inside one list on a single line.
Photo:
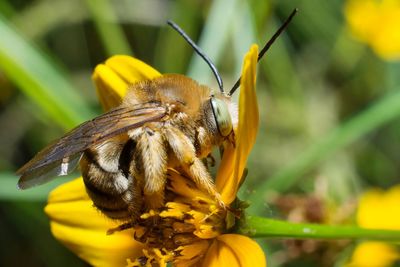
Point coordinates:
[(222, 116)]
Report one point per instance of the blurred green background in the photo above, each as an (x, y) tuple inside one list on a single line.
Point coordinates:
[(330, 108)]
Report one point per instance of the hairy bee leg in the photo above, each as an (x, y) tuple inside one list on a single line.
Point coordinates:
[(134, 199), (203, 179), (186, 155), (154, 160)]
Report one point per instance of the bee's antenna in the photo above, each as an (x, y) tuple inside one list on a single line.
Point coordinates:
[(199, 52), (267, 45)]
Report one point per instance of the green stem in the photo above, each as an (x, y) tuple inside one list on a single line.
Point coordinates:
[(264, 227)]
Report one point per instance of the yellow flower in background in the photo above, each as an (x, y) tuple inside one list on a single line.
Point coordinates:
[(376, 23), (192, 229), (373, 254), (377, 209)]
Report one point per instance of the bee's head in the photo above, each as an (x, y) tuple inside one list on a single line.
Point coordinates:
[(222, 116), (224, 113)]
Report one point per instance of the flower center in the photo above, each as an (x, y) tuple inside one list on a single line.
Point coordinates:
[(183, 229)]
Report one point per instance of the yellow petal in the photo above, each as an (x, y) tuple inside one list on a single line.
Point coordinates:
[(233, 250), (113, 77), (214, 257), (193, 250), (373, 254), (380, 209), (224, 180), (80, 227), (109, 86), (235, 158), (130, 69)]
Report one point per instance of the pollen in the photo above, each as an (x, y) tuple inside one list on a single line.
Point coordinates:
[(183, 229)]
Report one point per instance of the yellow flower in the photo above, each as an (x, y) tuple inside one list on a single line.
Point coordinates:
[(377, 210), (192, 229), (377, 23)]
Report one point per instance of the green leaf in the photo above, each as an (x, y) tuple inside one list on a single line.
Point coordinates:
[(40, 80)]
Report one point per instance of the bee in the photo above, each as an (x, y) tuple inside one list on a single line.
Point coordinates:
[(167, 122)]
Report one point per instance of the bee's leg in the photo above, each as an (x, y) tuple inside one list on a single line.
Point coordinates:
[(127, 165), (186, 155), (154, 160), (134, 199)]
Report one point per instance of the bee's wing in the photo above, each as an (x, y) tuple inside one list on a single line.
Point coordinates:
[(61, 157)]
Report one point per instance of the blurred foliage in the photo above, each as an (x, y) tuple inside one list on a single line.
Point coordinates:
[(329, 105)]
